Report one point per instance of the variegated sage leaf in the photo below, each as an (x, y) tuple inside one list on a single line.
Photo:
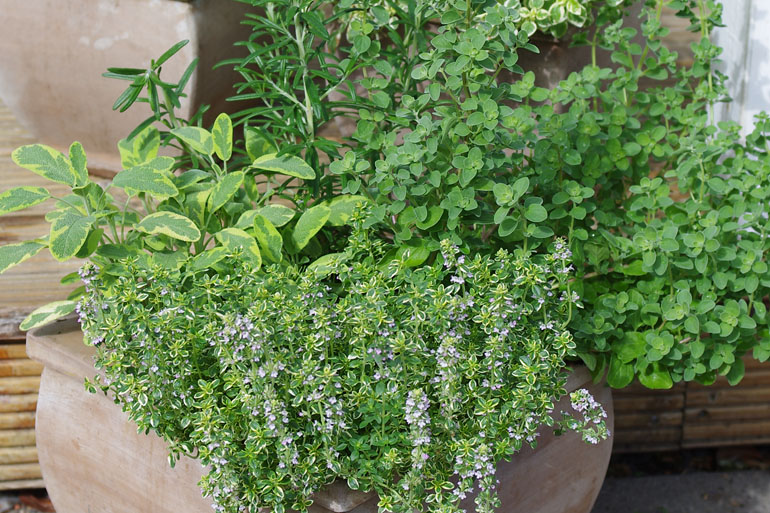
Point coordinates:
[(20, 198), (170, 224), (199, 139), (145, 178), (342, 207), (69, 231), (222, 133), (46, 162), (234, 238), (279, 215), (207, 258), (224, 190), (270, 241), (48, 313), (309, 223), (142, 148), (79, 164), (13, 254), (288, 165)]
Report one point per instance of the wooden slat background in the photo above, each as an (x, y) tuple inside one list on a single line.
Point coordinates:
[(22, 289), (648, 420), (36, 281), (692, 415)]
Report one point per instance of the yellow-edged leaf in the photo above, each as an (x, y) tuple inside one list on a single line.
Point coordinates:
[(46, 162), (199, 139), (288, 165), (48, 313), (222, 133), (234, 238), (14, 254), (309, 223), (20, 198), (224, 190), (170, 224), (69, 232), (270, 241)]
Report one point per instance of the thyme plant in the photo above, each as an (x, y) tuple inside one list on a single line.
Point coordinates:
[(393, 379)]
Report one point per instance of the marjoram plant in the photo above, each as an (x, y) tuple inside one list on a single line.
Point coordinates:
[(663, 208)]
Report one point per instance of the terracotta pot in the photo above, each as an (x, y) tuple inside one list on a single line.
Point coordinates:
[(557, 59), (93, 459), (55, 51)]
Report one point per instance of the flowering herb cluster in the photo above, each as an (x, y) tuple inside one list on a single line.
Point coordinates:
[(453, 140), (409, 381)]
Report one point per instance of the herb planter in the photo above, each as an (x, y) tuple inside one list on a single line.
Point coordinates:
[(53, 83), (93, 459)]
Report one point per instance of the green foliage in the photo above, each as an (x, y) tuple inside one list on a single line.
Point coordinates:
[(312, 66), (166, 217), (238, 316), (662, 209), (162, 97), (392, 379)]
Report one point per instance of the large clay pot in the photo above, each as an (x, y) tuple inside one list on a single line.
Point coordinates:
[(557, 58), (55, 51), (93, 459)]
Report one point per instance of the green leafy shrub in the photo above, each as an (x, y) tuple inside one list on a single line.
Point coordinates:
[(314, 65), (394, 367), (392, 379), (479, 191), (662, 208), (163, 218)]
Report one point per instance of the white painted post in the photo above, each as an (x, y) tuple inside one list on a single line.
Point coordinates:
[(746, 59)]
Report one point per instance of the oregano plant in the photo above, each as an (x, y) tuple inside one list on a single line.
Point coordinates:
[(661, 206)]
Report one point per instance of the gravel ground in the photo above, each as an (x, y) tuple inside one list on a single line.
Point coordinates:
[(719, 480), (746, 491)]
